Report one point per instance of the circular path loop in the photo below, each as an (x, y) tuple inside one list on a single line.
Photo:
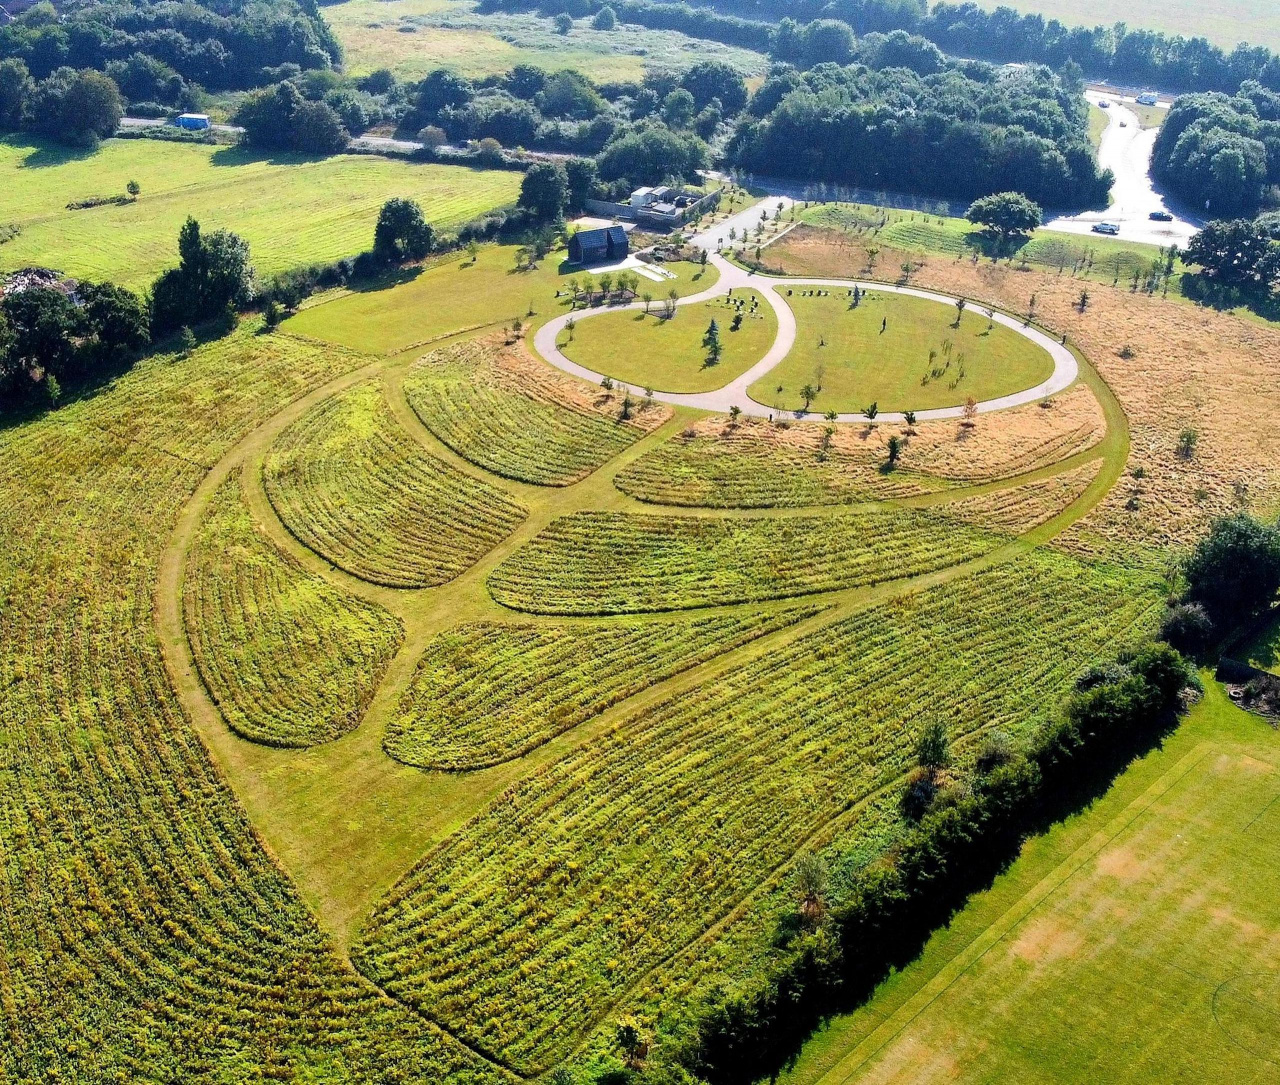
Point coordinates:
[(1065, 367)]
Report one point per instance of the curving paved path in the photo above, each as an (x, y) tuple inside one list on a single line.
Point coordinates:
[(1065, 367)]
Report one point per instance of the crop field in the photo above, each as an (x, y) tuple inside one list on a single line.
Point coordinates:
[(593, 870), (490, 692), (1172, 366), (1180, 859), (900, 352), (142, 915), (414, 37), (1017, 509), (667, 353), (516, 419), (1225, 23), (454, 296), (751, 464), (614, 563), (356, 489), (289, 660), (291, 210)]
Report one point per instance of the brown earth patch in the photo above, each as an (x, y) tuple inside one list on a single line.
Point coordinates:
[(1045, 940)]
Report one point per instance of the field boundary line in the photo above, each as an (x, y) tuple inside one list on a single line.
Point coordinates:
[(990, 937)]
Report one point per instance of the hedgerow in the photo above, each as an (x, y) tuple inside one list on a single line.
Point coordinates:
[(539, 917), (616, 563), (349, 483), (489, 692), (518, 429), (289, 660), (145, 932)]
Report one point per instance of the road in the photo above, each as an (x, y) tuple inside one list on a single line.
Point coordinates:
[(734, 394), (1126, 151)]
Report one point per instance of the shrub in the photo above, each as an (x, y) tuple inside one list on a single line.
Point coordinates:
[(1234, 571)]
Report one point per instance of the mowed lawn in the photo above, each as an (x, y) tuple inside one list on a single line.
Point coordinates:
[(456, 295), (899, 352), (667, 354), (291, 210), (1136, 942)]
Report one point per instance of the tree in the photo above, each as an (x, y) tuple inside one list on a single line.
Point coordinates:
[(678, 108), (545, 189), (1234, 571), (401, 233), (15, 91), (116, 318), (133, 189), (582, 178), (714, 79), (871, 410), (711, 341), (442, 89), (214, 272), (1006, 215), (76, 107), (811, 887), (43, 327), (1236, 253), (563, 23), (970, 412), (605, 19), (735, 412), (933, 747), (279, 118), (910, 418), (432, 137), (895, 450), (807, 393), (631, 1041), (1187, 441)]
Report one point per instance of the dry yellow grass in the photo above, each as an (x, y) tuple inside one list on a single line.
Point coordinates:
[(1187, 369)]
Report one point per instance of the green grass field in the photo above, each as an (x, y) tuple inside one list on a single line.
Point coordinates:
[(291, 210), (667, 354), (1225, 23), (1133, 943), (453, 296), (1262, 650), (414, 37), (919, 360)]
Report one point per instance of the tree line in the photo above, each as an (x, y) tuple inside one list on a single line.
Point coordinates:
[(1221, 152), (220, 47), (963, 132)]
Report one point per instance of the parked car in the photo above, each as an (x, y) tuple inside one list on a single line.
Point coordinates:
[(1148, 97), (1124, 124), (1106, 228), (1105, 104), (1160, 216)]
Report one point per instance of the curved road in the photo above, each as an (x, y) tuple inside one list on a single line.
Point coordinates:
[(1126, 151), (1065, 367)]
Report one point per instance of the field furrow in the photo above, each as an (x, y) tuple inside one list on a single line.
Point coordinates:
[(487, 692), (356, 489), (530, 922), (616, 563), (288, 659)]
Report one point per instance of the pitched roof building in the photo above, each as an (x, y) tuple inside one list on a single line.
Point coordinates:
[(593, 246)]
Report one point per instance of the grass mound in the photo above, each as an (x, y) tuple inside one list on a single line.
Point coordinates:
[(667, 353), (615, 563), (900, 352), (524, 423), (290, 660), (488, 692), (356, 489), (591, 872)]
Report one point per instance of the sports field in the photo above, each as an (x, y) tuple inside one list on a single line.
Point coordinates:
[(414, 37), (291, 210), (458, 294), (1225, 23), (667, 354), (900, 352), (1133, 943)]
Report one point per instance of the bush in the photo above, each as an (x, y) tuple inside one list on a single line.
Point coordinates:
[(1188, 627), (1234, 571)]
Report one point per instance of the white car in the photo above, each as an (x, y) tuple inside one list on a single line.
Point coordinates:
[(1106, 228)]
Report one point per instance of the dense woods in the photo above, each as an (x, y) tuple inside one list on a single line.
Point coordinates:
[(1221, 152), (964, 132)]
